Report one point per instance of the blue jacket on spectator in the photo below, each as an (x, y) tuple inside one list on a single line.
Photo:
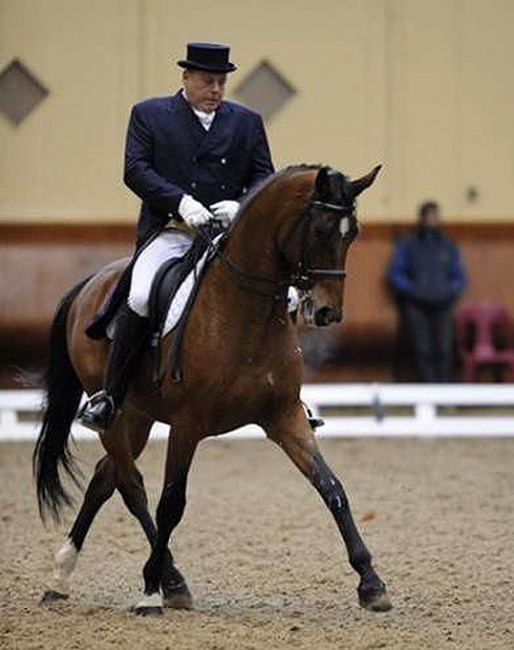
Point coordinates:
[(426, 269)]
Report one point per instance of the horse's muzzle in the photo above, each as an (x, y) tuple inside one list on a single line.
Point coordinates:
[(325, 316)]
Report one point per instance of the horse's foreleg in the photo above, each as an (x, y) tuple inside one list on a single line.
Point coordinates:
[(296, 438), (174, 587), (169, 513), (99, 490)]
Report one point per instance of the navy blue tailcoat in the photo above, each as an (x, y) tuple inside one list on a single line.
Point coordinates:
[(168, 154)]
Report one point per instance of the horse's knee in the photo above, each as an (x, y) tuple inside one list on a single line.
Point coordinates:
[(332, 493), (329, 487), (336, 500)]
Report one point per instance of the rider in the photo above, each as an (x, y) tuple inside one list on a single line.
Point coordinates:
[(190, 158)]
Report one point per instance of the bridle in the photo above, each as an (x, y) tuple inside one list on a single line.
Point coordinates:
[(305, 276)]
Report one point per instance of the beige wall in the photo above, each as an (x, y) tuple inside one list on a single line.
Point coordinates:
[(451, 105), (64, 160), (425, 87)]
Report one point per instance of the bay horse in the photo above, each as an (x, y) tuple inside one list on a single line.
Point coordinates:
[(242, 364)]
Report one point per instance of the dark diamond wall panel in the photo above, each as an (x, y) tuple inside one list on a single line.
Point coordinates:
[(20, 92), (265, 90)]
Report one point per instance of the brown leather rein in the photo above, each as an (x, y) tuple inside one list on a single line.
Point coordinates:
[(305, 276)]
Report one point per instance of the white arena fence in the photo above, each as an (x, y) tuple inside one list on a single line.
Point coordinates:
[(349, 410)]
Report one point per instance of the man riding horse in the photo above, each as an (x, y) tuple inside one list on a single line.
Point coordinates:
[(241, 356), (190, 158)]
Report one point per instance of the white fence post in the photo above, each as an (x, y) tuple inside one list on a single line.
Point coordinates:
[(425, 414)]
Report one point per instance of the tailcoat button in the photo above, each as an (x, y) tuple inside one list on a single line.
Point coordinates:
[(193, 184), (223, 161)]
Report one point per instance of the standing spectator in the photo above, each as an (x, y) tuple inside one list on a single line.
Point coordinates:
[(427, 277)]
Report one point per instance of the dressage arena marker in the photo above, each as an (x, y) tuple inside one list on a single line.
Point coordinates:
[(476, 410)]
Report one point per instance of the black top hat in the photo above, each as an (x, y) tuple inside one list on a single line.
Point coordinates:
[(207, 56)]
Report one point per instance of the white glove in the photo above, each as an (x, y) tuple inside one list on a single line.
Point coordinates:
[(293, 299), (193, 212), (225, 211)]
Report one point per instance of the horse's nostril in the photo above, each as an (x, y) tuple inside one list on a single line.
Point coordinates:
[(324, 316)]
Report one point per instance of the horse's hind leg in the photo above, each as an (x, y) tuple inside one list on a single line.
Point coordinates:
[(295, 436), (101, 487), (131, 428), (99, 490)]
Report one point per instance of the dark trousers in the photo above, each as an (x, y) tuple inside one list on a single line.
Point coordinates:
[(430, 341)]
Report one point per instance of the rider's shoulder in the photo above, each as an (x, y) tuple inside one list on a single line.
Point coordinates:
[(152, 104)]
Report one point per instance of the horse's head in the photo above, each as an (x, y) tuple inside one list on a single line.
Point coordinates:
[(315, 248)]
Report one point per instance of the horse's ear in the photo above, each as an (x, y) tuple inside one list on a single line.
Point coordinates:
[(323, 183), (361, 184)]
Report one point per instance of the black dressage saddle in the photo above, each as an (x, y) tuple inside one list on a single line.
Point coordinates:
[(167, 280)]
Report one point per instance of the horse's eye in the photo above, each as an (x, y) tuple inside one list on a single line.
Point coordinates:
[(324, 230)]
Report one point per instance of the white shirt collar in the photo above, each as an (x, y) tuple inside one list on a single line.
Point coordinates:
[(206, 119)]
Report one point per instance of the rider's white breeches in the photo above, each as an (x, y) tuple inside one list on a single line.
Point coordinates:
[(170, 243)]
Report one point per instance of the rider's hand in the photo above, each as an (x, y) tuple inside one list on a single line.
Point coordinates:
[(193, 212), (225, 211)]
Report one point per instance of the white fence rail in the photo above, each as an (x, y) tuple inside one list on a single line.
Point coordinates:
[(349, 410)]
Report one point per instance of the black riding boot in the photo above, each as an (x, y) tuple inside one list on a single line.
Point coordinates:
[(131, 335)]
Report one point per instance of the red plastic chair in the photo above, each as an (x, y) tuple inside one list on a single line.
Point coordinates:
[(483, 320)]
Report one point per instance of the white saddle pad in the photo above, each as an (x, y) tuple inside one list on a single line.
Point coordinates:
[(180, 299)]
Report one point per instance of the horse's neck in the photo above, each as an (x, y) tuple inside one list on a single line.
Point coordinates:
[(247, 284), (249, 290), (252, 244)]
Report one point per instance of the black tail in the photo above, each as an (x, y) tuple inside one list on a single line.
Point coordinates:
[(63, 393)]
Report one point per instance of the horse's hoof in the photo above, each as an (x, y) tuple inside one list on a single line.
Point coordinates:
[(150, 605), (178, 597), (52, 596), (148, 611), (375, 600), (179, 601)]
